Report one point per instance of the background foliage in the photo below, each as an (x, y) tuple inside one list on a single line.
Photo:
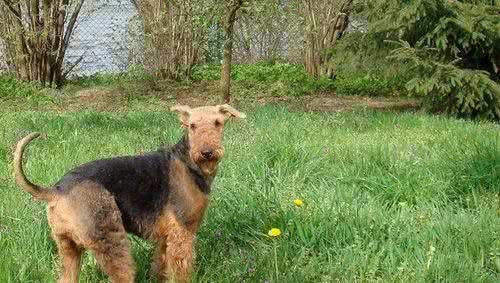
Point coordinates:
[(451, 49), (443, 52)]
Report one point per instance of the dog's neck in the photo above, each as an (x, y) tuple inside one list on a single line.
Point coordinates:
[(180, 151)]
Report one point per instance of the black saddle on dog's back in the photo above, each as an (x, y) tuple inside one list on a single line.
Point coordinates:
[(139, 184)]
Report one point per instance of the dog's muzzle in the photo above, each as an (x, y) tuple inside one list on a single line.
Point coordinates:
[(209, 154)]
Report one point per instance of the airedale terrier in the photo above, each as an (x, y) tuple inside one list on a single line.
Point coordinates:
[(161, 195)]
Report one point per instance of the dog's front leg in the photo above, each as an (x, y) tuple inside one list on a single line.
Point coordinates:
[(173, 260)]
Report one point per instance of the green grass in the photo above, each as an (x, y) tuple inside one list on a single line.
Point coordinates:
[(388, 197), (280, 79)]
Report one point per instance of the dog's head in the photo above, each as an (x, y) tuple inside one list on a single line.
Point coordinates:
[(204, 127)]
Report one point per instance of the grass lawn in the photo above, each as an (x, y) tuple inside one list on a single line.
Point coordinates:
[(387, 197)]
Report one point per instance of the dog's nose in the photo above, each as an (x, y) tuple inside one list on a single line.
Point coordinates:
[(207, 153)]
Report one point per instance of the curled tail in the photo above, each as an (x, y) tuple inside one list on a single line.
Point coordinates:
[(36, 191)]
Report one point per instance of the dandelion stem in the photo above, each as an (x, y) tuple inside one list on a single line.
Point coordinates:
[(276, 261)]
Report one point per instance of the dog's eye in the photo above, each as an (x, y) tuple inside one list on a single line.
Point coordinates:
[(192, 126), (218, 123)]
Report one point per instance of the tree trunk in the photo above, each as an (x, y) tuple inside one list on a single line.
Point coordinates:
[(226, 65), (172, 36), (38, 34), (326, 21), (228, 24)]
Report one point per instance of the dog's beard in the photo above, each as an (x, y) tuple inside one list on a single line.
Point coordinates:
[(208, 166)]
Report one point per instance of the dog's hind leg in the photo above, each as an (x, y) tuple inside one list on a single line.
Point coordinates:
[(114, 257), (106, 238), (89, 215), (70, 255)]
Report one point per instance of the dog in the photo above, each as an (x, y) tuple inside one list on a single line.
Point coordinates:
[(160, 196)]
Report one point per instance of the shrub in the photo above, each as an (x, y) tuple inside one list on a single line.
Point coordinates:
[(282, 79), (362, 67), (451, 46), (206, 72), (359, 54), (10, 87), (133, 75), (292, 79), (448, 88), (366, 85)]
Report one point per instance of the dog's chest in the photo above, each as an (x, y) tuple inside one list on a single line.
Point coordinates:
[(186, 201)]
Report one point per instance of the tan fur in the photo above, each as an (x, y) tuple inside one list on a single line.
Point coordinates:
[(37, 192), (204, 126), (87, 216), (173, 259), (175, 237)]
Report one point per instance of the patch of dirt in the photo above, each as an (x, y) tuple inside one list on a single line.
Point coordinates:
[(164, 95), (97, 96), (97, 99), (333, 103), (199, 94)]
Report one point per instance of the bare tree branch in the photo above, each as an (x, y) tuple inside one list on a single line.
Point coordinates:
[(15, 12), (332, 16), (72, 21), (70, 68), (134, 2), (38, 37)]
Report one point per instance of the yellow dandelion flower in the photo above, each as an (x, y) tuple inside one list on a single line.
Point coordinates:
[(298, 202), (274, 232)]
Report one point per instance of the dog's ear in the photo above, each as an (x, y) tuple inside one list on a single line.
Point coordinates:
[(229, 111), (183, 111)]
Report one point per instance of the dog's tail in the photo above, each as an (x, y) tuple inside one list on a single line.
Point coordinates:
[(39, 193)]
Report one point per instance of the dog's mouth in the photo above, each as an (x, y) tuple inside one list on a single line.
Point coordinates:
[(209, 168), (208, 163)]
